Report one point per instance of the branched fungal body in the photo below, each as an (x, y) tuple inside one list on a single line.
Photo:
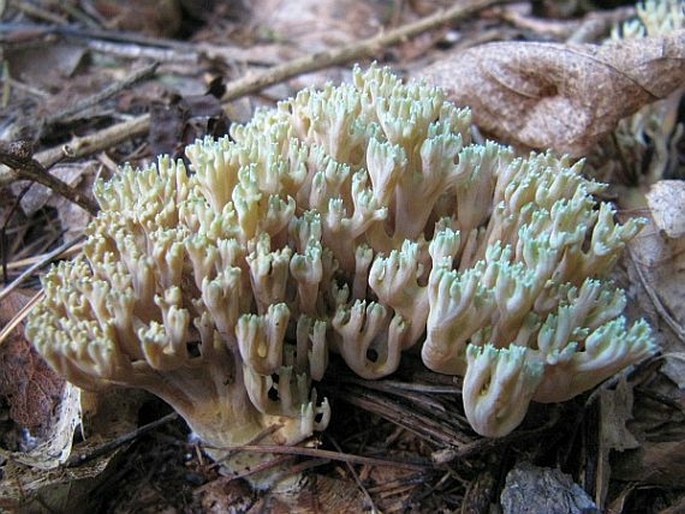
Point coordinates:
[(358, 219)]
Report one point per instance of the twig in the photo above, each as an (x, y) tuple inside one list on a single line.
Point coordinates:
[(391, 386), (6, 86), (96, 142), (77, 460), (80, 147), (103, 95), (136, 51), (595, 24), (19, 157), (19, 316), (77, 14), (450, 453), (418, 423), (33, 259), (4, 244), (24, 311), (353, 51), (45, 260), (337, 456)]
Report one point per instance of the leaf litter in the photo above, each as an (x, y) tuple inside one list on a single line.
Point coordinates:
[(594, 100)]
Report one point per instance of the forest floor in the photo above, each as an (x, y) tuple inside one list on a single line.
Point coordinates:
[(88, 85)]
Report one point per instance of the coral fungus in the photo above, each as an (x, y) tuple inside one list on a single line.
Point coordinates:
[(358, 219)]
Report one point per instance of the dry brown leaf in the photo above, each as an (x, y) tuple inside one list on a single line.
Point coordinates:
[(665, 281), (43, 408), (616, 411), (31, 490), (45, 65), (27, 385), (560, 96), (660, 260), (666, 200), (659, 463)]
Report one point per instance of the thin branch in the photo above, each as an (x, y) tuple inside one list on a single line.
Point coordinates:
[(86, 145), (101, 96), (19, 316), (19, 157), (353, 51), (24, 311), (110, 446), (49, 257), (337, 456), (96, 142)]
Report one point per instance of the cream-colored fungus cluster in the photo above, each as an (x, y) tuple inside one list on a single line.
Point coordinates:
[(357, 219)]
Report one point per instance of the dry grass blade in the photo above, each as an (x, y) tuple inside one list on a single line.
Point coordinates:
[(41, 263), (19, 316)]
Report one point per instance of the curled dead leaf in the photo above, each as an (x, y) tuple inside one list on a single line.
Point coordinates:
[(560, 96)]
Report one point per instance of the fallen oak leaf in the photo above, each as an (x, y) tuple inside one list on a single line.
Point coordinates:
[(28, 386), (43, 409), (560, 96)]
